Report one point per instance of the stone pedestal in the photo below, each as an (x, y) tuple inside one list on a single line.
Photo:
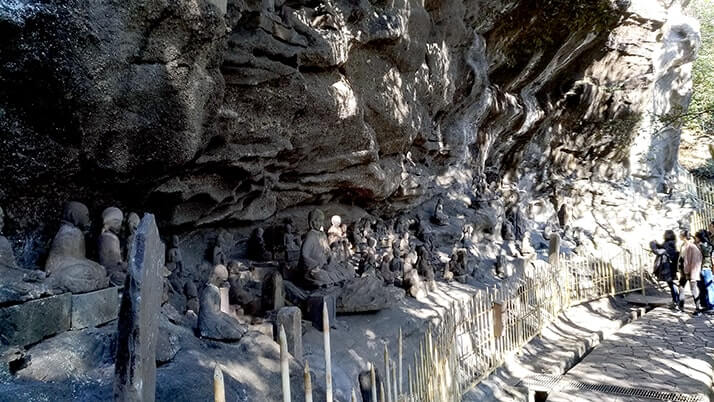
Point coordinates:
[(291, 319), (314, 309), (30, 322), (95, 308)]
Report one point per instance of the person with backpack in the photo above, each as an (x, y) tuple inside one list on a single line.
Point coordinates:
[(706, 282), (665, 266)]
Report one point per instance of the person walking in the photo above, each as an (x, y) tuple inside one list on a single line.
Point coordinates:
[(692, 268), (706, 284), (665, 266)]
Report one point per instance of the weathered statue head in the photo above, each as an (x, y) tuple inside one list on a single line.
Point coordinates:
[(133, 222), (315, 219), (76, 214), (219, 275), (174, 241), (336, 220), (112, 219)]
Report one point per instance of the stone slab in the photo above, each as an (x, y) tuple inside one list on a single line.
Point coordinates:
[(139, 315), (30, 322), (290, 318), (95, 308)]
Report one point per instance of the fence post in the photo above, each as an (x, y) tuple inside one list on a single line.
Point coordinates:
[(284, 368), (373, 377), (308, 382), (401, 339), (328, 358), (219, 390)]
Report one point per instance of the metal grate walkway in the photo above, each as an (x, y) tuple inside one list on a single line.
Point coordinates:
[(550, 383)]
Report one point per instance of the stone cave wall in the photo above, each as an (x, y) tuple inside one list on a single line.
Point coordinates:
[(213, 120)]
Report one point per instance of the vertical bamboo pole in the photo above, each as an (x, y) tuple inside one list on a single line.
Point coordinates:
[(386, 373), (219, 389), (411, 383), (395, 394), (284, 368), (328, 358), (642, 272), (373, 377), (401, 341), (308, 382), (354, 395), (381, 392)]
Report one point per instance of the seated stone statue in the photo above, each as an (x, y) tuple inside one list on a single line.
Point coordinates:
[(110, 255), (212, 322), (458, 265), (315, 262), (424, 268), (257, 250), (7, 256), (67, 266), (174, 259)]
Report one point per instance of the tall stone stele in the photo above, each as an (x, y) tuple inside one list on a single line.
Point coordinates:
[(135, 367)]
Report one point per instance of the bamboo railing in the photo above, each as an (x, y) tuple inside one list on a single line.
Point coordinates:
[(475, 336)]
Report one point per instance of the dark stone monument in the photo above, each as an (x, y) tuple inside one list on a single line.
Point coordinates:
[(273, 292), (314, 309), (290, 318), (135, 370)]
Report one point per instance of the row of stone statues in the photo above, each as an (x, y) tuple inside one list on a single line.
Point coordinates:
[(67, 267)]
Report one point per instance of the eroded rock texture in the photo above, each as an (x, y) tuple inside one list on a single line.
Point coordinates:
[(223, 119)]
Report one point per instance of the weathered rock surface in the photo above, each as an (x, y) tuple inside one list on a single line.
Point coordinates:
[(30, 322), (95, 308), (291, 103), (138, 325)]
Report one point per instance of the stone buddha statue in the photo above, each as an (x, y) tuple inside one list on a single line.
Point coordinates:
[(110, 255), (7, 256), (67, 265), (212, 322), (315, 262)]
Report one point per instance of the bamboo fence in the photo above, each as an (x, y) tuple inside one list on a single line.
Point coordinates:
[(476, 335)]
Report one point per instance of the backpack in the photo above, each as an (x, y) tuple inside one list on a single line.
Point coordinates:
[(663, 267)]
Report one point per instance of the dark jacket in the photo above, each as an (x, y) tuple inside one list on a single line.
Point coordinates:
[(665, 266)]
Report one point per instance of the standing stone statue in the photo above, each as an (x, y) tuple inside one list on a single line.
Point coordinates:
[(212, 322), (439, 217), (7, 256), (334, 233), (424, 268), (67, 265), (318, 269), (174, 259), (221, 251), (110, 254), (135, 367), (291, 243)]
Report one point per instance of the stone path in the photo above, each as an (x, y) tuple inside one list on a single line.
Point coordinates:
[(562, 344), (663, 351)]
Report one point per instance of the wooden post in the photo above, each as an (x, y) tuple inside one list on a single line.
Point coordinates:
[(284, 368), (401, 340), (328, 358), (354, 395), (373, 382), (411, 385), (386, 373), (642, 273), (308, 382), (395, 393), (381, 392), (219, 390)]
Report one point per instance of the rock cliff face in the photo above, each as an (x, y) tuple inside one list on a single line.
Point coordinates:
[(212, 119)]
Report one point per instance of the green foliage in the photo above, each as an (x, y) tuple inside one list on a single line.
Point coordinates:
[(700, 116)]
